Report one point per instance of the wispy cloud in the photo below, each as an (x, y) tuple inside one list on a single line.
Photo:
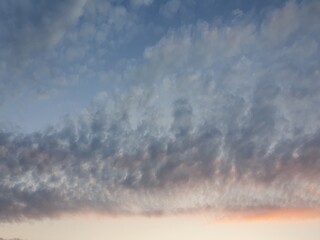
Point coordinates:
[(216, 115)]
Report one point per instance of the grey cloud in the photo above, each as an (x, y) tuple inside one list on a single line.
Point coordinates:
[(182, 115), (213, 119), (121, 170)]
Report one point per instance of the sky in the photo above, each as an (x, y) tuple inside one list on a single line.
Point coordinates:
[(172, 119)]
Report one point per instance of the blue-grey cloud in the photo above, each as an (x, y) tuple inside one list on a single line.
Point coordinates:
[(40, 42), (29, 25), (138, 3), (216, 115), (29, 30)]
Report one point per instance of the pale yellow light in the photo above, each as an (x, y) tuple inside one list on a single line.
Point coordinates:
[(185, 227)]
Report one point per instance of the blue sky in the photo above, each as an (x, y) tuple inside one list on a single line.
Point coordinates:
[(147, 107), (58, 56)]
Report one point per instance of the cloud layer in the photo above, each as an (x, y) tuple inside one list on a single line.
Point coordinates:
[(216, 115)]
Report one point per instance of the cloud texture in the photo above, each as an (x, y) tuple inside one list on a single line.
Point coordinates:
[(215, 115)]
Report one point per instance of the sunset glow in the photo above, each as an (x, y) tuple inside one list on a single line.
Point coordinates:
[(172, 228)]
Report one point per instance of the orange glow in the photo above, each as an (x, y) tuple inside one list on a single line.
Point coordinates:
[(213, 216), (272, 215), (184, 226)]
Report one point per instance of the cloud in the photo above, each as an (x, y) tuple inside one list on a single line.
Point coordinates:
[(48, 47), (170, 8), (29, 32), (138, 3), (219, 116), (38, 26)]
